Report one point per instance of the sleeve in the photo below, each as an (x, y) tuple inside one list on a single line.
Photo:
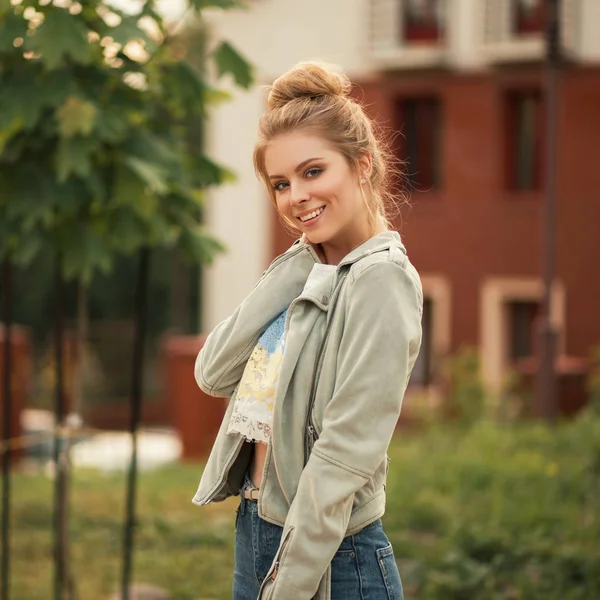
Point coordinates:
[(381, 340), (220, 363)]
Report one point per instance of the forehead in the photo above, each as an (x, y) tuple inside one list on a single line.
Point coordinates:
[(285, 152)]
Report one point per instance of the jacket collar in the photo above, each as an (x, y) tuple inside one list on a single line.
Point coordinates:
[(381, 241)]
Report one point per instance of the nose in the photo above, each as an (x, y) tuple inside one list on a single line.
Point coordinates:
[(299, 194)]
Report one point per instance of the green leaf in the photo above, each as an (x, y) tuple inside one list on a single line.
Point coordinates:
[(29, 247), (74, 157), (83, 250), (151, 174), (199, 246), (61, 35), (5, 7), (126, 31), (228, 61), (161, 232), (20, 98), (185, 86), (150, 147), (216, 96), (127, 231), (76, 116), (28, 190), (9, 131), (207, 172), (225, 4), (111, 126), (58, 85), (131, 190), (70, 198), (11, 28)]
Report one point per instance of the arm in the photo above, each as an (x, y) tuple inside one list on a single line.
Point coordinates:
[(220, 363), (379, 346)]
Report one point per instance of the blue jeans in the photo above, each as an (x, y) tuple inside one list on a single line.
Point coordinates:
[(363, 568)]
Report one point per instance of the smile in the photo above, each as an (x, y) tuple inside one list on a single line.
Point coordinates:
[(312, 215)]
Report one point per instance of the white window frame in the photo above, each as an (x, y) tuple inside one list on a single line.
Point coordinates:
[(495, 293)]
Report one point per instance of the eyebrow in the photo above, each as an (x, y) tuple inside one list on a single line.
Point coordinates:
[(298, 168)]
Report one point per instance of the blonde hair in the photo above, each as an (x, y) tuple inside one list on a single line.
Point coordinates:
[(315, 97)]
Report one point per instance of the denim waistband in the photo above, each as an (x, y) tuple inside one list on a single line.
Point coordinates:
[(247, 482)]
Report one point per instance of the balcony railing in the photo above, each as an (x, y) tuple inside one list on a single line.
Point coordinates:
[(469, 33), (408, 34)]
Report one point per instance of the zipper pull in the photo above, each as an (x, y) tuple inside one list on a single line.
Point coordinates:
[(275, 571)]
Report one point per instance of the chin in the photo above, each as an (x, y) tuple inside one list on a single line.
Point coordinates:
[(316, 238)]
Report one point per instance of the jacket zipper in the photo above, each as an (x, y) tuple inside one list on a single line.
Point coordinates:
[(271, 575), (311, 435)]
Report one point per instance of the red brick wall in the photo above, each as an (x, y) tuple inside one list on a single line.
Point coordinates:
[(473, 227)]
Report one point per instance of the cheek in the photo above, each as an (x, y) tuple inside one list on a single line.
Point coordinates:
[(339, 189), (282, 204)]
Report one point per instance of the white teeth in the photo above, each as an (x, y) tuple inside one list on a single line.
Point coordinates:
[(312, 215)]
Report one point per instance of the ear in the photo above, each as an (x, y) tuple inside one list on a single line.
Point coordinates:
[(365, 166)]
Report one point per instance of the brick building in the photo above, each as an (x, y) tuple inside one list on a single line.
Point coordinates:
[(463, 81)]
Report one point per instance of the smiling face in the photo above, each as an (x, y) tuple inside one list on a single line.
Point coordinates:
[(318, 192)]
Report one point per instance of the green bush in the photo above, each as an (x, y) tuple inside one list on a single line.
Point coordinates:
[(489, 512), (498, 511), (594, 380), (466, 397)]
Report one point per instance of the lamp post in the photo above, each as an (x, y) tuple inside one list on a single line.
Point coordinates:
[(546, 385)]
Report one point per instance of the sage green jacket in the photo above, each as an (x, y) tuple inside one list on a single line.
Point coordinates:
[(350, 344)]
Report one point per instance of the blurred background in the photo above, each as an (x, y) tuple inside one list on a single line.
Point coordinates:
[(126, 137)]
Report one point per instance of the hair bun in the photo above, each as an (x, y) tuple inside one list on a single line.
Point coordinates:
[(307, 80)]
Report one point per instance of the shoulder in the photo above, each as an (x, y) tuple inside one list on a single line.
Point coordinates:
[(389, 267)]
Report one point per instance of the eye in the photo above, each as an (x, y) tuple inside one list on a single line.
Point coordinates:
[(280, 186), (313, 172)]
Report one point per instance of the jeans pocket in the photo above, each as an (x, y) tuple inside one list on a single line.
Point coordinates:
[(390, 573)]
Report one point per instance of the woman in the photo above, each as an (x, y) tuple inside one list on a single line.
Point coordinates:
[(316, 360)]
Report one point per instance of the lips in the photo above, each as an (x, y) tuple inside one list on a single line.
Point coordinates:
[(308, 216)]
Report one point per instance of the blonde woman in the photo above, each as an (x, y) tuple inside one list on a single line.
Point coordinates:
[(316, 359)]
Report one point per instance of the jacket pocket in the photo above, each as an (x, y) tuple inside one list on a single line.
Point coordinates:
[(267, 587), (390, 573)]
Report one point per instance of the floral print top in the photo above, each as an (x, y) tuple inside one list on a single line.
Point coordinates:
[(253, 411)]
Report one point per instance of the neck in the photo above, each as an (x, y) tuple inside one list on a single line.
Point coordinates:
[(332, 252)]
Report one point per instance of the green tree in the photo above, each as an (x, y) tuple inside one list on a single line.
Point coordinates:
[(96, 156), (95, 152)]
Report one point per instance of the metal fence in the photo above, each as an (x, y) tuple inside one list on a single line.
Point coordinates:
[(61, 435)]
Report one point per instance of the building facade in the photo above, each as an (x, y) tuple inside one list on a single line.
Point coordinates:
[(463, 84)]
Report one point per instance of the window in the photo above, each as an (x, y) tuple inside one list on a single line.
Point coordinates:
[(421, 373), (423, 20), (524, 149), (529, 16), (420, 123), (521, 321)]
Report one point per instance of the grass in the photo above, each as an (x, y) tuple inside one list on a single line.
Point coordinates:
[(494, 511)]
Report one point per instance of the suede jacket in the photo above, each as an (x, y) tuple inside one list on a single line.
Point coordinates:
[(350, 344)]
